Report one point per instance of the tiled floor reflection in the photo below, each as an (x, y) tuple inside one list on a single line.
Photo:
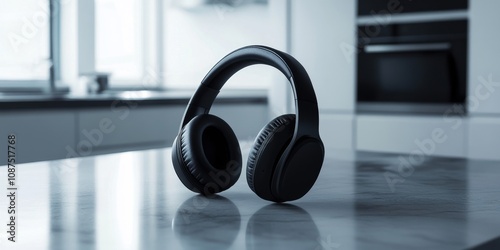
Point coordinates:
[(134, 200)]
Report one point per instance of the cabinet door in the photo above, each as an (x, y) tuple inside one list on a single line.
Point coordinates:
[(412, 136), (484, 138), (125, 126), (40, 135)]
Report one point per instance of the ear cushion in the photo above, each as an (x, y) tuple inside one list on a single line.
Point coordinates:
[(270, 143), (210, 154)]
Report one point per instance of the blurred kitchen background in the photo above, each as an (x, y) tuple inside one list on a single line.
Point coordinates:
[(80, 77)]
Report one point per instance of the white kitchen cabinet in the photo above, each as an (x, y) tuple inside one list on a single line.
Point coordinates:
[(337, 131), (66, 133), (157, 126), (40, 135), (484, 138), (405, 134), (105, 128)]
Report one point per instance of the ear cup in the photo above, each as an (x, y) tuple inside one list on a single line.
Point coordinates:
[(303, 164), (208, 155), (270, 143)]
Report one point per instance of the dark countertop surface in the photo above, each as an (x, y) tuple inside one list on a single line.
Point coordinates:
[(133, 200), (143, 97)]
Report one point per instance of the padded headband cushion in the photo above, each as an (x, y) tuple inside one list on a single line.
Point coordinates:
[(211, 153), (268, 147)]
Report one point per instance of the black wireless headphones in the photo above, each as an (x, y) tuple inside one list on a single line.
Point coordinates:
[(288, 153)]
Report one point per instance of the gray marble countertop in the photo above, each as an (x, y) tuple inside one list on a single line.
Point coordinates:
[(134, 200)]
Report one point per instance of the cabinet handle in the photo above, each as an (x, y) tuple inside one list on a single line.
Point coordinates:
[(409, 47)]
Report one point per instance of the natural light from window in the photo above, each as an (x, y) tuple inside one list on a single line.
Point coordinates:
[(24, 42), (193, 37), (119, 39)]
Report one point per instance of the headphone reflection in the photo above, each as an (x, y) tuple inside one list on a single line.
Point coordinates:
[(215, 223)]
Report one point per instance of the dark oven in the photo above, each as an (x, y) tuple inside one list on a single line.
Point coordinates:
[(412, 67)]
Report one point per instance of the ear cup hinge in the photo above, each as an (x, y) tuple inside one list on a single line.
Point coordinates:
[(204, 97), (200, 103)]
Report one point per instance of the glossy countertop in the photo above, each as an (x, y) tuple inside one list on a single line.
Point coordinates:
[(36, 100), (133, 200)]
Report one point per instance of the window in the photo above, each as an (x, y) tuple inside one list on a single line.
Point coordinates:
[(176, 42), (118, 38), (25, 44), (141, 43), (125, 37)]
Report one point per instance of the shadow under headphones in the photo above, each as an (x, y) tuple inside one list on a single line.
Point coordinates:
[(287, 154)]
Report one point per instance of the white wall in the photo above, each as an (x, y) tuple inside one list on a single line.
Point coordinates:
[(320, 32), (484, 80), (484, 53), (280, 94)]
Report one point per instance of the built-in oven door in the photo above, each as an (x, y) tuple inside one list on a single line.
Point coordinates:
[(412, 67), (407, 73)]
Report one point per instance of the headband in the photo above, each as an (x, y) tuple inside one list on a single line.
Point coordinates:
[(306, 105)]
